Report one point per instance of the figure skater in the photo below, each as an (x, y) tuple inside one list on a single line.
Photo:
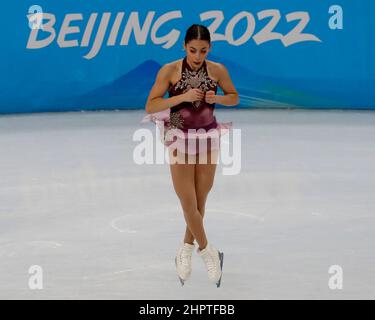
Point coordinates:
[(192, 86)]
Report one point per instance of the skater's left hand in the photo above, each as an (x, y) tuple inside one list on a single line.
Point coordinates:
[(210, 97)]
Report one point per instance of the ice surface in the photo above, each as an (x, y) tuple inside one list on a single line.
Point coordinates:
[(73, 201)]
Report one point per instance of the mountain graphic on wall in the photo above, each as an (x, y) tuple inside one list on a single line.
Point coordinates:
[(260, 91), (130, 91)]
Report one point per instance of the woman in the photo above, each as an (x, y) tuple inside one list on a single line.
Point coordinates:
[(192, 86)]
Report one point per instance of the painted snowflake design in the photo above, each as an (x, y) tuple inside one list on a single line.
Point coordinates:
[(195, 79), (176, 120)]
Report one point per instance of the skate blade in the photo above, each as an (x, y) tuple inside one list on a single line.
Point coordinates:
[(181, 280), (221, 257)]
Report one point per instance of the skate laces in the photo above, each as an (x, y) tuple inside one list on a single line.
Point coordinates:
[(185, 256), (210, 263)]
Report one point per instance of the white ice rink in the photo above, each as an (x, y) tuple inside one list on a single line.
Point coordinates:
[(73, 202)]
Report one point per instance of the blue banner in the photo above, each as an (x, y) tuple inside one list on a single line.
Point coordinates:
[(103, 55)]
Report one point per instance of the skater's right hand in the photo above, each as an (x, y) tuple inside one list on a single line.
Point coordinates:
[(193, 95)]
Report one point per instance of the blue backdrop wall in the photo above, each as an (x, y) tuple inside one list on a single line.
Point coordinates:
[(89, 55)]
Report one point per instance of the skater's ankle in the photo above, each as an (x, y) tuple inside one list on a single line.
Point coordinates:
[(201, 249)]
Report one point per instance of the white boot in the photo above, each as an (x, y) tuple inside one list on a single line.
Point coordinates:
[(183, 261), (213, 260)]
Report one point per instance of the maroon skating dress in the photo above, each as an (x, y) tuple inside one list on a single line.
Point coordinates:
[(191, 127)]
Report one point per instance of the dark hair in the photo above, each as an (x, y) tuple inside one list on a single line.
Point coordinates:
[(197, 32)]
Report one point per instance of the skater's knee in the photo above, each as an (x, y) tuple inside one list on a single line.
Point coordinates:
[(201, 208), (189, 206), (205, 184), (189, 203), (202, 195)]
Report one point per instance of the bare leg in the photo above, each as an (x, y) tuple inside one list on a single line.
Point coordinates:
[(204, 179), (183, 176)]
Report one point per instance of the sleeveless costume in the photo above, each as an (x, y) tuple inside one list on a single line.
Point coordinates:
[(190, 115)]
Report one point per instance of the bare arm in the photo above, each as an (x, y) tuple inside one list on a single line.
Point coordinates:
[(155, 101), (230, 97)]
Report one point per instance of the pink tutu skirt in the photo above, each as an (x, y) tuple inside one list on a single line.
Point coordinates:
[(185, 140)]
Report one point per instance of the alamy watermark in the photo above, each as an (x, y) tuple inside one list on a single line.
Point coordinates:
[(150, 148), (36, 277), (336, 281)]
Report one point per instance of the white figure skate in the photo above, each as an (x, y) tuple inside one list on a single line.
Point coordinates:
[(213, 260), (183, 261)]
